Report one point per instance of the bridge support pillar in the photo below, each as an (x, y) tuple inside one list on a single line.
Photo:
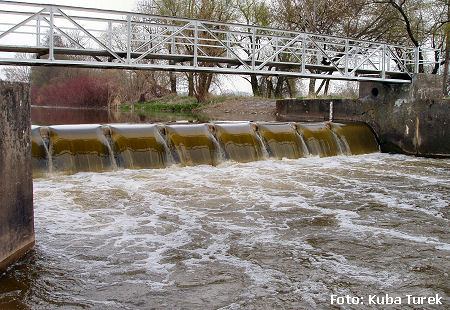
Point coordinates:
[(407, 118), (16, 185)]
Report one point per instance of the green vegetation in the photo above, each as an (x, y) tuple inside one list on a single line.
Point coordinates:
[(171, 104), (174, 104)]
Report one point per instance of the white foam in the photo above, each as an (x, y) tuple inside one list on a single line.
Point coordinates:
[(134, 219)]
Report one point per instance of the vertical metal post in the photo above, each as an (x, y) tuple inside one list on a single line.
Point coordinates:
[(347, 51), (383, 62), (253, 48), (110, 34), (172, 44), (416, 59), (38, 30), (227, 52), (195, 44), (51, 47), (303, 53), (276, 49), (128, 38), (318, 53), (388, 60)]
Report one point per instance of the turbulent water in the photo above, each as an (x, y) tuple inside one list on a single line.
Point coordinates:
[(260, 235)]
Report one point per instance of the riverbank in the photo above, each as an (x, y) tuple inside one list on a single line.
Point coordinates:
[(216, 108)]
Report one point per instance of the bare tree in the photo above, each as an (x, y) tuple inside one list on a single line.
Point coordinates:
[(18, 73)]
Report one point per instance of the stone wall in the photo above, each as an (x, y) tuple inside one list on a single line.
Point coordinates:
[(16, 187), (407, 118)]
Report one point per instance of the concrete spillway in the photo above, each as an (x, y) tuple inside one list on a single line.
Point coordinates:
[(76, 148)]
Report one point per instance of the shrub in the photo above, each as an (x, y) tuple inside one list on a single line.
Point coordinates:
[(79, 92)]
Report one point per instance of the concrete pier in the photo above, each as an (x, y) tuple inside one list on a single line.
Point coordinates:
[(412, 119), (16, 186)]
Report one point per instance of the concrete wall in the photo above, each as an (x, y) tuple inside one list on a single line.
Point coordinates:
[(411, 119), (16, 187)]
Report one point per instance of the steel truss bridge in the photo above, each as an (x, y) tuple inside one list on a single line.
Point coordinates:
[(54, 35)]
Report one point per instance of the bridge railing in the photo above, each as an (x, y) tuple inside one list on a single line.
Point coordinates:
[(64, 35)]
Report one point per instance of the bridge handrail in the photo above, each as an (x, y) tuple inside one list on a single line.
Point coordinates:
[(181, 19), (261, 44)]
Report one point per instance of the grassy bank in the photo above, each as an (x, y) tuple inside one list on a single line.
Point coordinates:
[(171, 103)]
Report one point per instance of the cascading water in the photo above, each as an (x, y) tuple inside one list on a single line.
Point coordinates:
[(192, 144), (282, 140), (319, 139), (74, 148), (39, 153), (138, 146), (239, 141), (301, 139), (358, 137)]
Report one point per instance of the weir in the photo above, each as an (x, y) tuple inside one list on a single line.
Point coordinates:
[(240, 141), (283, 140), (83, 149), (137, 146), (76, 148), (192, 144)]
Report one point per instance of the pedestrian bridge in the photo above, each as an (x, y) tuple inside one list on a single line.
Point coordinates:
[(54, 35)]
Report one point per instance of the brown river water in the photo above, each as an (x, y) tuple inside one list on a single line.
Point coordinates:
[(264, 234)]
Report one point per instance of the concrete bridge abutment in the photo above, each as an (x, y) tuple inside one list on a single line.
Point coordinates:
[(16, 185), (407, 118)]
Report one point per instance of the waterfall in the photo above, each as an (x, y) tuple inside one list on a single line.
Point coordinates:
[(262, 144), (137, 146), (358, 137), (192, 144), (301, 139), (107, 133), (74, 148), (342, 144), (282, 140), (319, 139), (239, 141), (39, 153)]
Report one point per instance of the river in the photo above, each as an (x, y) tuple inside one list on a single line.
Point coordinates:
[(64, 115), (261, 235)]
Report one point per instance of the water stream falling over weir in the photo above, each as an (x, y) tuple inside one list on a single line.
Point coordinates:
[(76, 148)]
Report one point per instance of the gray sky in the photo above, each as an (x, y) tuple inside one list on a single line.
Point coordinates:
[(127, 5)]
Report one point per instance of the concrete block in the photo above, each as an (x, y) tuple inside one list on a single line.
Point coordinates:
[(16, 186), (407, 118)]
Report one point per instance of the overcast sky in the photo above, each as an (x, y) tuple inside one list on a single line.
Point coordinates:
[(124, 5)]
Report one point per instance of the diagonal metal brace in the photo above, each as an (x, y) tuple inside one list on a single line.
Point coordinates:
[(226, 47), (157, 35), (91, 36), (69, 38), (399, 62), (198, 47), (162, 42), (367, 59), (279, 51), (324, 53), (26, 20)]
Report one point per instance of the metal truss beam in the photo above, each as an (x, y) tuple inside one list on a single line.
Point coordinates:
[(126, 40)]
